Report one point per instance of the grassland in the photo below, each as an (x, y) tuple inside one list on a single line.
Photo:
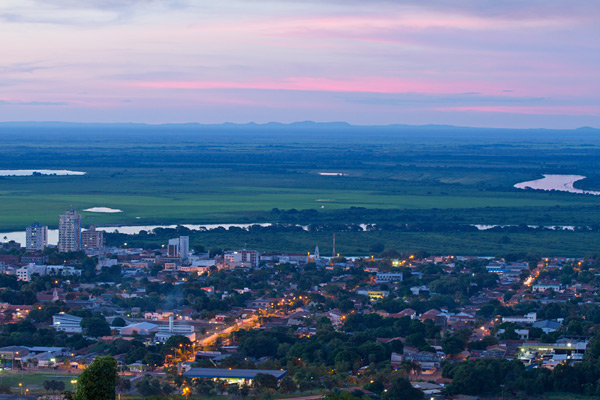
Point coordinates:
[(225, 174), (34, 381)]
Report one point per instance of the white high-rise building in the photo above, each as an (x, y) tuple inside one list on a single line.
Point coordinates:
[(184, 247), (36, 237), (69, 231), (179, 247)]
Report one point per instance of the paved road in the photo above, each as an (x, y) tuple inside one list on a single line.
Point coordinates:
[(484, 330), (247, 323)]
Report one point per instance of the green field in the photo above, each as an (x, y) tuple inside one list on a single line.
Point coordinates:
[(196, 175), (207, 196), (34, 381)]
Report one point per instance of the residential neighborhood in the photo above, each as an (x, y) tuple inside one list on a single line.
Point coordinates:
[(189, 318)]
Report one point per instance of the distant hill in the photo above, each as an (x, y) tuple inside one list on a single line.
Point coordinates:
[(311, 131)]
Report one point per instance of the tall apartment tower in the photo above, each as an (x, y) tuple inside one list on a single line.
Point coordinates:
[(36, 237), (92, 239), (69, 231), (179, 247)]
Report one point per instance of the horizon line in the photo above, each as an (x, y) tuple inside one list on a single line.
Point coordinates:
[(253, 123)]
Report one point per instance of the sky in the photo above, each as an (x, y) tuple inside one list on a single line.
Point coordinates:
[(509, 63)]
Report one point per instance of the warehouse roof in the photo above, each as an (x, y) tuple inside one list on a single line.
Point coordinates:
[(231, 373)]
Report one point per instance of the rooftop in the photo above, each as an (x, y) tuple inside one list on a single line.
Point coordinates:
[(231, 373)]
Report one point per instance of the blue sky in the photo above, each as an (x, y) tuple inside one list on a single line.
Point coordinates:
[(473, 62)]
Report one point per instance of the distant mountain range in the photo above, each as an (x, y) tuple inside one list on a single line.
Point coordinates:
[(268, 125)]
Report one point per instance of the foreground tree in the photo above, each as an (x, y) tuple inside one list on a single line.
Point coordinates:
[(98, 381), (401, 389)]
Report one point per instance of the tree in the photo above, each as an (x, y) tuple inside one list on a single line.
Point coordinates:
[(401, 389), (376, 387), (123, 384), (98, 381), (95, 326), (54, 386), (153, 360), (453, 344), (178, 349), (287, 385), (118, 322), (175, 341), (148, 387), (267, 381)]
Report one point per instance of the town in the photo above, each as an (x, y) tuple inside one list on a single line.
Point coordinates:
[(179, 320)]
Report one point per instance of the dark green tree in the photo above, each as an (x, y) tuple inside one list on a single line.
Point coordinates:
[(287, 385), (266, 381), (401, 389), (98, 381), (95, 326)]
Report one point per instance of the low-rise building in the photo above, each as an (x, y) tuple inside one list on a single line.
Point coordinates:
[(141, 328), (388, 277), (527, 319), (67, 323), (25, 273)]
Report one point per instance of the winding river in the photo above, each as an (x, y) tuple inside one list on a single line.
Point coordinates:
[(561, 183)]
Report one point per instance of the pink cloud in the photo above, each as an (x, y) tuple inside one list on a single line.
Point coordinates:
[(363, 84)]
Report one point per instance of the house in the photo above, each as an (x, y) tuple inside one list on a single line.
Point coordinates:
[(428, 388), (419, 290), (547, 326), (439, 318), (461, 319), (396, 360), (336, 316), (496, 351), (430, 314), (522, 333), (429, 362), (409, 312), (547, 285)]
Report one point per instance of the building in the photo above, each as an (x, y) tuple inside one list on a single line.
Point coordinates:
[(92, 239), (10, 245), (141, 328), (232, 375), (34, 258), (243, 258), (25, 273), (36, 237), (547, 285), (388, 277), (69, 231), (179, 247), (9, 354), (527, 319), (67, 323), (507, 269), (166, 331), (547, 326)]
